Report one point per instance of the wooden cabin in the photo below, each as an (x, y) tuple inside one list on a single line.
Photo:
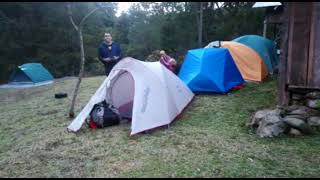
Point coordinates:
[(299, 66)]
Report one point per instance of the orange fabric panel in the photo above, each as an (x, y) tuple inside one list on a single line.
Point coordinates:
[(249, 63)]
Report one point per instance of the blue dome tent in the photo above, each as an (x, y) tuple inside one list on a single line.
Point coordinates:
[(29, 75), (210, 70)]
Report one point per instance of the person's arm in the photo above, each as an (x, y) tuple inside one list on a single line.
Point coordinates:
[(101, 55), (173, 62), (118, 53), (165, 60), (106, 59)]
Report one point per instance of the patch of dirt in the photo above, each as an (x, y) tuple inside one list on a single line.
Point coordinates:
[(15, 95), (121, 166), (22, 94), (48, 112)]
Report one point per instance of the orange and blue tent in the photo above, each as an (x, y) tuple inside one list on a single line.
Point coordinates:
[(250, 64), (264, 47)]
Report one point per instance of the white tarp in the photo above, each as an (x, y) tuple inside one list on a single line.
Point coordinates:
[(214, 44), (154, 95), (266, 4)]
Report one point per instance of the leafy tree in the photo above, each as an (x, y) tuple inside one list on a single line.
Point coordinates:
[(41, 31)]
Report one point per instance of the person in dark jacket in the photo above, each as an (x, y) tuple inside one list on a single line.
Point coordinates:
[(109, 53)]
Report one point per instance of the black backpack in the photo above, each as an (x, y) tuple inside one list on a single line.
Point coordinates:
[(103, 115)]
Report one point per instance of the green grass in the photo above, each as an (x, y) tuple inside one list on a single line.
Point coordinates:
[(210, 140)]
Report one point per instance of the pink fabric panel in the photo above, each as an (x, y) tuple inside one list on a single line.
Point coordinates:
[(123, 94)]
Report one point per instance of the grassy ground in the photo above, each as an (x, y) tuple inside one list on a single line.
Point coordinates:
[(210, 140)]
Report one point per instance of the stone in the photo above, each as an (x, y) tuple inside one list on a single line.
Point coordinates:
[(259, 115), (270, 126), (305, 111), (313, 95), (295, 132), (298, 116), (297, 97), (292, 108), (298, 124), (298, 102), (314, 121), (281, 108), (301, 110), (315, 104)]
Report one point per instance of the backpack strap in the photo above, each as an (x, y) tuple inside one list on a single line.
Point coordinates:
[(116, 111)]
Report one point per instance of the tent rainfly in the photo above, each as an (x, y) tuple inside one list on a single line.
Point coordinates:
[(249, 63), (210, 70), (29, 75), (264, 47)]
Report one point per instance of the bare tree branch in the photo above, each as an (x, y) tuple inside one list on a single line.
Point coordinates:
[(217, 4), (84, 19), (82, 53), (70, 16)]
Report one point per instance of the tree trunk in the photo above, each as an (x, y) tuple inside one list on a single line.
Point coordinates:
[(200, 25), (76, 90), (79, 30)]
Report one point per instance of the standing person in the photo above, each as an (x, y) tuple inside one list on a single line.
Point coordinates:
[(167, 61), (109, 53)]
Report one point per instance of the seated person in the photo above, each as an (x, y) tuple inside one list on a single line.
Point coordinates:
[(167, 61)]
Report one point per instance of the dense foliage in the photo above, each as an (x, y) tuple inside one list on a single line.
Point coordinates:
[(42, 32)]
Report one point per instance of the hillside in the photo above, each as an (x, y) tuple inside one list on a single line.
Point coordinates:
[(210, 140)]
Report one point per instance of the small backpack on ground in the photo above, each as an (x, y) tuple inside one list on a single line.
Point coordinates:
[(103, 115)]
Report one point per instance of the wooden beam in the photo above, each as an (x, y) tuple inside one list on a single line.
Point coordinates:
[(290, 38), (303, 87), (311, 46), (283, 95), (265, 28)]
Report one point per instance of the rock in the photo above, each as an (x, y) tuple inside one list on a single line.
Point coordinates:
[(300, 111), (298, 116), (295, 132), (315, 104), (313, 95), (297, 97), (259, 115), (281, 108), (298, 124), (305, 111), (314, 121), (292, 108), (271, 125), (298, 102)]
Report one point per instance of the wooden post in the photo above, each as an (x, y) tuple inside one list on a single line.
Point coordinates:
[(283, 95), (265, 28), (311, 57)]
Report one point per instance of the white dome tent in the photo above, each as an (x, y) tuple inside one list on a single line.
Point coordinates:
[(145, 91)]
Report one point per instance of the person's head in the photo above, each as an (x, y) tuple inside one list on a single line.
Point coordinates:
[(107, 37), (173, 61), (162, 52)]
